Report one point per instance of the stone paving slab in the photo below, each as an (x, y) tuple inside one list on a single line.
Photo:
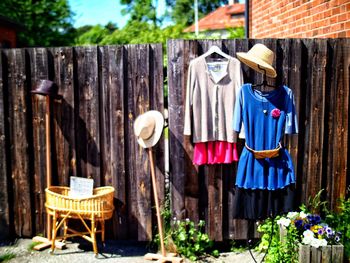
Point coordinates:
[(114, 251)]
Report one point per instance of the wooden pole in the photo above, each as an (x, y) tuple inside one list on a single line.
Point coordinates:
[(150, 256), (47, 241), (48, 160), (155, 192)]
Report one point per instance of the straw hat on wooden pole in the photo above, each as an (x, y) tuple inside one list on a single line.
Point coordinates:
[(148, 128)]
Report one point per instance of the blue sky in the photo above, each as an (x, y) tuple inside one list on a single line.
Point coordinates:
[(92, 12)]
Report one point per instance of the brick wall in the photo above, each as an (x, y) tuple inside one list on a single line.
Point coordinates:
[(7, 35), (299, 18)]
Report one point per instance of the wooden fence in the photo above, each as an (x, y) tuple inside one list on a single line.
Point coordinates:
[(105, 88), (318, 73)]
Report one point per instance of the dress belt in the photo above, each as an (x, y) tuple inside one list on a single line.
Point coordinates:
[(265, 153)]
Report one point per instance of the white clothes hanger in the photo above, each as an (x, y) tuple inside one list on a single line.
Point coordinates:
[(217, 50)]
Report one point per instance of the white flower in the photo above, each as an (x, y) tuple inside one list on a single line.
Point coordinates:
[(284, 222), (315, 242), (292, 215), (187, 220), (302, 215), (307, 240), (318, 242), (323, 242), (308, 233), (308, 237)]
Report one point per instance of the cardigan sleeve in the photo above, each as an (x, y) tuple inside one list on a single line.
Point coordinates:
[(188, 101)]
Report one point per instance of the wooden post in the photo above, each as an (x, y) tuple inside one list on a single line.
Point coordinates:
[(48, 160)]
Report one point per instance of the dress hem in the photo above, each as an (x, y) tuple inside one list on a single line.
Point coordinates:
[(266, 188)]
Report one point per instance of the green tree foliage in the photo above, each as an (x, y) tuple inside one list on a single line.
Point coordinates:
[(141, 10), (142, 26), (237, 32), (142, 32), (45, 22), (183, 10), (94, 35)]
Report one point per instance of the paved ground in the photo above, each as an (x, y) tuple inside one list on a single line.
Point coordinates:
[(114, 251)]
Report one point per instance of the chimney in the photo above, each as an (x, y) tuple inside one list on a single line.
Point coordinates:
[(231, 2)]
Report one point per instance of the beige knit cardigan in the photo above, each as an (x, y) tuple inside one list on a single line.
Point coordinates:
[(209, 104)]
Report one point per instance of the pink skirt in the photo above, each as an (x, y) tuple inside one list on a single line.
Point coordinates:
[(214, 152)]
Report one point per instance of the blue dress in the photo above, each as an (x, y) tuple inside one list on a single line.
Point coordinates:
[(266, 117)]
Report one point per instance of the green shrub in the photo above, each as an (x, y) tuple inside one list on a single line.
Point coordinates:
[(185, 237), (190, 239), (278, 251), (340, 219)]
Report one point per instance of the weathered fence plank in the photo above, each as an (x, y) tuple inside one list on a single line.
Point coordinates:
[(39, 70), (314, 139), (292, 70), (337, 93), (112, 131), (63, 146), (138, 95), (87, 114), (193, 194), (19, 101), (176, 95), (4, 158), (156, 92)]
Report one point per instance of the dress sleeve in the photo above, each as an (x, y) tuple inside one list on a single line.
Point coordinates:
[(237, 114), (188, 101), (239, 84), (291, 125)]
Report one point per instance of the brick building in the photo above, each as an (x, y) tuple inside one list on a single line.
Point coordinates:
[(298, 18), (217, 22), (8, 33)]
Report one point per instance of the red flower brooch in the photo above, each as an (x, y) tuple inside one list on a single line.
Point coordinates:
[(275, 113)]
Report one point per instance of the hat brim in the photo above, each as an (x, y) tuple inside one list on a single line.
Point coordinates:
[(44, 93), (253, 63), (159, 120)]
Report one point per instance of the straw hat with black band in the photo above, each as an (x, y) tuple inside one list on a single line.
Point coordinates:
[(148, 128), (259, 58)]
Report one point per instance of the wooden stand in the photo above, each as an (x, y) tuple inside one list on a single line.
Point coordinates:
[(150, 256), (46, 242)]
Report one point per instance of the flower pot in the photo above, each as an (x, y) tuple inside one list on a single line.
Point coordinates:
[(331, 253)]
